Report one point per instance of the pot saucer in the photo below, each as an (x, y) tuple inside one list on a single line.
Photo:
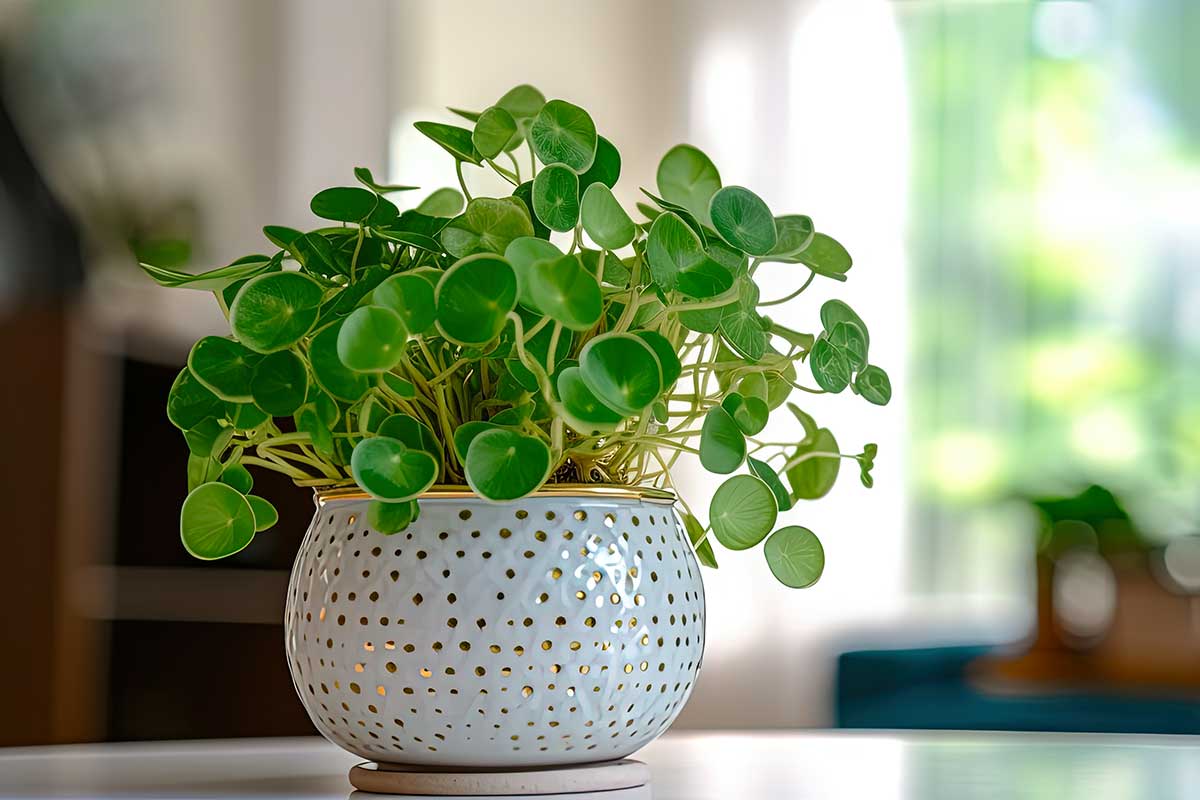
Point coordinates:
[(416, 780)]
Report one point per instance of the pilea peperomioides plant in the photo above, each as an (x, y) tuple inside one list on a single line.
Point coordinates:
[(509, 342)]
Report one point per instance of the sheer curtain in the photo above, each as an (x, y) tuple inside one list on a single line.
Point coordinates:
[(808, 105)]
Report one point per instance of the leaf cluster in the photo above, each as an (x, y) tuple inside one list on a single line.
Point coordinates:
[(546, 336)]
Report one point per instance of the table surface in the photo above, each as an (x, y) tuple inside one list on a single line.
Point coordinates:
[(846, 765)]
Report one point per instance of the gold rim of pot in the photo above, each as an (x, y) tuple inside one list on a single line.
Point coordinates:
[(448, 492)]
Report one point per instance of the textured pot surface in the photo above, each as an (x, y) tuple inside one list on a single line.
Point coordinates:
[(550, 630)]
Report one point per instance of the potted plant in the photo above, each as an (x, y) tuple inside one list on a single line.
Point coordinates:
[(489, 395)]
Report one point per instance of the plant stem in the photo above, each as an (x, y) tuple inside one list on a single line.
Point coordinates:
[(292, 472), (794, 294), (800, 459), (462, 181), (553, 349), (354, 258)]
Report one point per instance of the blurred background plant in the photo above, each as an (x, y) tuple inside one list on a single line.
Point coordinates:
[(1055, 338), (91, 94)]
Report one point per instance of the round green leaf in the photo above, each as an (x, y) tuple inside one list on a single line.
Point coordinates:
[(454, 140), (814, 477), (753, 385), (566, 292), (523, 194), (521, 254), (224, 367), (604, 219), (523, 103), (583, 410), (466, 434), (494, 131), (410, 296), (706, 320), (387, 470), (670, 247), (830, 366), (365, 177), (330, 373), (308, 419), (473, 299), (397, 385), (742, 512), (852, 341), (750, 413), (201, 470), (352, 204), (274, 311), (389, 518), (874, 385), (695, 531), (372, 339), (795, 232), (265, 515), (795, 556), (835, 311), (564, 133), (280, 383), (411, 432), (444, 202), (668, 358), (704, 278), (622, 371), (190, 402), (687, 177), (768, 476), (779, 385), (245, 416), (487, 226), (238, 477), (744, 332), (722, 444), (825, 256), (504, 465), (216, 521), (556, 197), (208, 438), (605, 168), (743, 220), (371, 415)]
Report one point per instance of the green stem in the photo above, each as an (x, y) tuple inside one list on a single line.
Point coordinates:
[(286, 469), (794, 294), (803, 388), (503, 173), (462, 181), (800, 459), (532, 364), (553, 349), (448, 371), (354, 258), (536, 329)]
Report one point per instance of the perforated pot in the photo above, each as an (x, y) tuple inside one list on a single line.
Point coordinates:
[(566, 627)]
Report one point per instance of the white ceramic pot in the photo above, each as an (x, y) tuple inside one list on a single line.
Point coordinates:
[(566, 627)]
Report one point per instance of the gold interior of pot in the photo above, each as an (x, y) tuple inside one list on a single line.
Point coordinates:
[(585, 490)]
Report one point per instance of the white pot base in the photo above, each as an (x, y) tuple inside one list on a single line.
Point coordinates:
[(416, 780)]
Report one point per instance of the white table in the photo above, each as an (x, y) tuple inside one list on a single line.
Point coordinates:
[(686, 766)]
